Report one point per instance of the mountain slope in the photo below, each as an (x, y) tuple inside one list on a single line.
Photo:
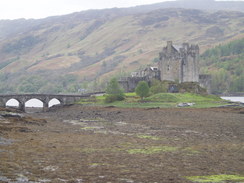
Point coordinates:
[(225, 63), (65, 52)]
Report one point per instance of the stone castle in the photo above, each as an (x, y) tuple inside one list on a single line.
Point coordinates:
[(176, 63), (179, 63)]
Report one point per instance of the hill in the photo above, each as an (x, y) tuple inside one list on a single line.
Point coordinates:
[(226, 65), (65, 53)]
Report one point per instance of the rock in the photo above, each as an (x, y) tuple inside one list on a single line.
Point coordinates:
[(10, 114), (185, 104)]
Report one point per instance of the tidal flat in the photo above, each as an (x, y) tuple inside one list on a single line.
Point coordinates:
[(108, 144)]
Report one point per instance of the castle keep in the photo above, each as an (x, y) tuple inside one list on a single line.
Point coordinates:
[(179, 63), (176, 63)]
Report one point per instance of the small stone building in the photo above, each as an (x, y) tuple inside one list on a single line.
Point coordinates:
[(148, 74)]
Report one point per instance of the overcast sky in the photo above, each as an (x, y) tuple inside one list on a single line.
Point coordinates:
[(14, 9)]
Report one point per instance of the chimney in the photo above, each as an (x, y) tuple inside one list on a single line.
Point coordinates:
[(169, 46)]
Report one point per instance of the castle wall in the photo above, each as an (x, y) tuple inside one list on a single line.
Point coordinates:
[(170, 68), (129, 84), (190, 70)]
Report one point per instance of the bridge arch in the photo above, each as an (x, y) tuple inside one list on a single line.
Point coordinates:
[(54, 101), (34, 102), (12, 102)]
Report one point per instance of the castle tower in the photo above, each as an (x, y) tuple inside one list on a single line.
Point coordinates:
[(179, 63)]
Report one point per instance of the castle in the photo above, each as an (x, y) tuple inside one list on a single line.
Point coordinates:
[(179, 63), (176, 63)]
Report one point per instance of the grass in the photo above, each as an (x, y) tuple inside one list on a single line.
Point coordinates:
[(190, 151), (216, 178), (152, 150), (148, 137), (137, 149), (162, 97), (160, 100), (182, 97)]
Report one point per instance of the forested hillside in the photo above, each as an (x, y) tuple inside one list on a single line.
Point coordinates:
[(226, 65)]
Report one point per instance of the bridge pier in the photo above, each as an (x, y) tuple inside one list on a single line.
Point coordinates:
[(45, 106), (22, 106), (2, 103)]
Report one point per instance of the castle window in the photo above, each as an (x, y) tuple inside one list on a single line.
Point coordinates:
[(168, 67)]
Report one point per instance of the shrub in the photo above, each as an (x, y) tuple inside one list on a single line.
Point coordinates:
[(158, 87), (112, 98)]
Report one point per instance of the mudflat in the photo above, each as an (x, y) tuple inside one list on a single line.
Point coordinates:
[(107, 144)]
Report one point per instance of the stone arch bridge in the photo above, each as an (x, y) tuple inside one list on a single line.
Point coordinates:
[(44, 98)]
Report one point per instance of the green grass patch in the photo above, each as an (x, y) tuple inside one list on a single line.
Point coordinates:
[(130, 94), (136, 104), (182, 97), (148, 137), (161, 100), (162, 97), (215, 178), (134, 149), (100, 97), (152, 150), (190, 151)]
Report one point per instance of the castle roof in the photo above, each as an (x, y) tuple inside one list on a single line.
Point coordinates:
[(177, 47)]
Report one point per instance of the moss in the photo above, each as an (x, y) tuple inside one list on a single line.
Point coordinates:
[(90, 150), (190, 151), (215, 178), (152, 150), (148, 137)]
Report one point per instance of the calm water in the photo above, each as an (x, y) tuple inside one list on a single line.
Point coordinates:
[(234, 99)]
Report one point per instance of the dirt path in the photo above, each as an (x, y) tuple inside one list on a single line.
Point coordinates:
[(94, 144)]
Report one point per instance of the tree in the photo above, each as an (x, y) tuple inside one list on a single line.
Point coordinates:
[(115, 93), (158, 87), (142, 89), (113, 87)]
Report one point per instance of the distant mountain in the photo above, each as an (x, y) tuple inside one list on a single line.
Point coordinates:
[(196, 4), (10, 27), (65, 53)]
